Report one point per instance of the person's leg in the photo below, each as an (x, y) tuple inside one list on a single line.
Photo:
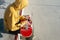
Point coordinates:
[(14, 32)]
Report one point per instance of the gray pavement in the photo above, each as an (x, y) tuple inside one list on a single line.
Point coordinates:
[(46, 19)]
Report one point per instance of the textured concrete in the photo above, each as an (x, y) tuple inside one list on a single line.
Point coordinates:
[(46, 19)]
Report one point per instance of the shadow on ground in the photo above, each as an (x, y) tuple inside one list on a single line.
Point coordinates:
[(2, 28)]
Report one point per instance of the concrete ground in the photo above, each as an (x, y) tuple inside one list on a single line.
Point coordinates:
[(46, 19)]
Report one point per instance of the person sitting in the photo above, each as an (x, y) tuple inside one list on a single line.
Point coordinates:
[(12, 17)]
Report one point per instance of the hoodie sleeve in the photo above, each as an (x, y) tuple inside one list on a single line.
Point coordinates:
[(13, 18)]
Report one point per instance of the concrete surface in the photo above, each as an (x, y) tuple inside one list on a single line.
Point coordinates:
[(46, 19)]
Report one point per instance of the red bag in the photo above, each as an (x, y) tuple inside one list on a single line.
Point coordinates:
[(26, 32)]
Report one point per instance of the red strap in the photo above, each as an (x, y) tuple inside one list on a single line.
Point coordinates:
[(20, 12), (16, 36)]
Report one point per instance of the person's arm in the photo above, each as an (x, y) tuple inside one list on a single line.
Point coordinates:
[(21, 23), (14, 19), (13, 22), (13, 16)]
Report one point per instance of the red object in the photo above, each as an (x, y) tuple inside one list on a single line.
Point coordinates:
[(26, 32), (16, 36), (20, 12)]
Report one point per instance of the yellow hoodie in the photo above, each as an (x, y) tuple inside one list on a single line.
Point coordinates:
[(11, 15)]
